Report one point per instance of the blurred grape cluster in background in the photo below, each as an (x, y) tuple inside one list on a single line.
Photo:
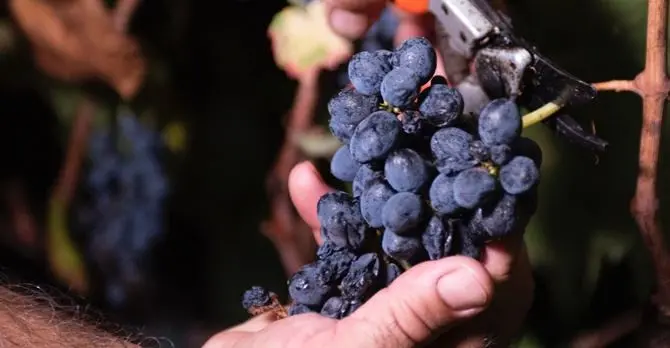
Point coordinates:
[(149, 178)]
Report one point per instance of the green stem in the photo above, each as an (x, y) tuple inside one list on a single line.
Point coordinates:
[(404, 264), (540, 114)]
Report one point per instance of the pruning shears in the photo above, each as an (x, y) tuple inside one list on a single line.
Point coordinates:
[(505, 65)]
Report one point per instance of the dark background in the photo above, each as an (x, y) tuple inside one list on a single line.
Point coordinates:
[(218, 76)]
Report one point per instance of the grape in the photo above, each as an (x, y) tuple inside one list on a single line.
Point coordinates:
[(363, 277), (335, 308), (124, 219), (386, 55), (375, 137), (354, 305), (400, 87), (519, 175), (345, 228), (406, 171), (469, 248), (330, 203), (412, 122), (343, 166), (402, 212), (310, 286), (341, 220), (451, 149), (499, 220), (347, 109), (472, 187), (441, 105), (499, 122), (256, 297), (372, 202), (365, 178), (418, 55), (437, 239), (336, 259), (392, 273), (468, 242), (367, 70), (441, 195), (401, 248), (501, 154)]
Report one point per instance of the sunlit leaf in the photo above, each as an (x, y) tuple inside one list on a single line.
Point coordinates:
[(65, 260), (316, 145), (302, 40)]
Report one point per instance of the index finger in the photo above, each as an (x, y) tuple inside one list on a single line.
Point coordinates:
[(500, 256), (306, 186)]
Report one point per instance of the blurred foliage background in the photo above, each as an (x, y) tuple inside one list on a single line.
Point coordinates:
[(216, 95)]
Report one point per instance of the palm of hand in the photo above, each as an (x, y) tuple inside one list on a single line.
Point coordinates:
[(411, 311)]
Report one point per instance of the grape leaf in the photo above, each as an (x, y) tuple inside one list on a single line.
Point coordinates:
[(76, 40), (316, 144), (302, 40)]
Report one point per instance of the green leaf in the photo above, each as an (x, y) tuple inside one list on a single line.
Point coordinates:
[(317, 144), (65, 260)]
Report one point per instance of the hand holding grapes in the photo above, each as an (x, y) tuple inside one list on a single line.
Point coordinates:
[(424, 302)]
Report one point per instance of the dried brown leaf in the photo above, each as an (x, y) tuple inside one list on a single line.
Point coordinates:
[(76, 40)]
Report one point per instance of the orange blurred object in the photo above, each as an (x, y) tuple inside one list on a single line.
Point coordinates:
[(412, 6)]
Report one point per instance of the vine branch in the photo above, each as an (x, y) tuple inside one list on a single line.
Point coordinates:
[(84, 116), (610, 332), (287, 231), (653, 85)]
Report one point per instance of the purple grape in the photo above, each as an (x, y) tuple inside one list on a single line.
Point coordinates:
[(375, 137), (519, 175), (367, 70), (343, 166), (418, 55), (441, 105), (473, 187), (400, 87), (372, 202), (403, 212), (441, 195), (406, 170), (500, 122)]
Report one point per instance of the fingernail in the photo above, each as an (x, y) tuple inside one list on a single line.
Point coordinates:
[(349, 24), (461, 290)]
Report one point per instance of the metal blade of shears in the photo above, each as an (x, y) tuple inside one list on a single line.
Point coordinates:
[(478, 31)]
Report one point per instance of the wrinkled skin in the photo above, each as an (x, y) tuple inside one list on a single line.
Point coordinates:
[(488, 301)]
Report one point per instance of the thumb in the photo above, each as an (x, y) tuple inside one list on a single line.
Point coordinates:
[(353, 18), (421, 303)]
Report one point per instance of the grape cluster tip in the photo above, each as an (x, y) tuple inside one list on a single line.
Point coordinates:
[(427, 182)]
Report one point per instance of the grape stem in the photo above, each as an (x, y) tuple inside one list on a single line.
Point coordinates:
[(290, 235), (404, 264), (653, 85), (540, 114)]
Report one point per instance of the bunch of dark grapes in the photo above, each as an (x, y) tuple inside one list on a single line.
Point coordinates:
[(426, 183), (127, 188)]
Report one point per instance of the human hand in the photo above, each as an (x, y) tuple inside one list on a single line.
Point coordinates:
[(422, 306)]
